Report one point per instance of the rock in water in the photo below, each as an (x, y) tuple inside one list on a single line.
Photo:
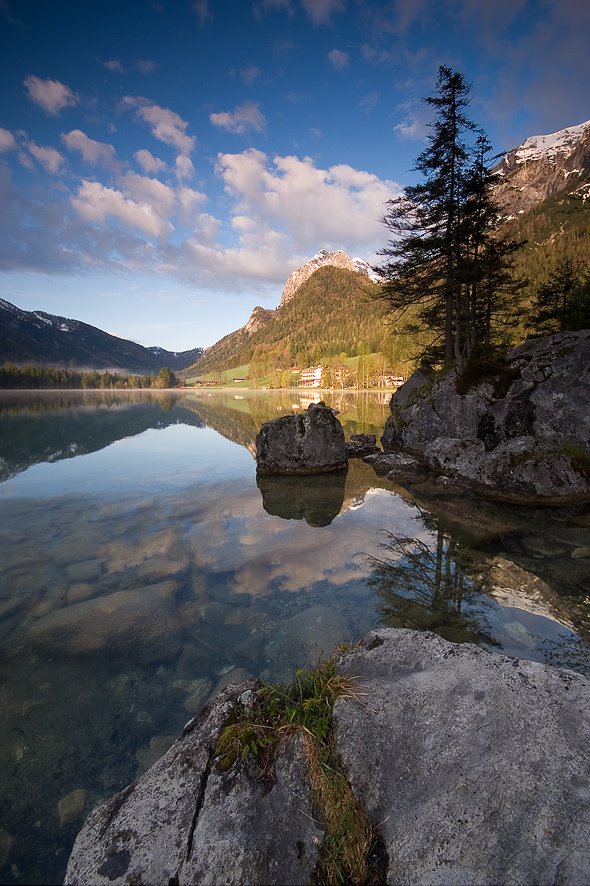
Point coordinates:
[(521, 433), (302, 444)]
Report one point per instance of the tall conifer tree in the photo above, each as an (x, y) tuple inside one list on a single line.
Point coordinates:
[(443, 256)]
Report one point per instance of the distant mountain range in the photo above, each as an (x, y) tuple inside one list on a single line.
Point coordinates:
[(40, 338), (327, 305)]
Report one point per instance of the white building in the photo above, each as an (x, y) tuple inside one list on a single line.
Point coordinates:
[(311, 377)]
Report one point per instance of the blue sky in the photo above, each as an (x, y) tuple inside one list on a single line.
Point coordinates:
[(165, 164)]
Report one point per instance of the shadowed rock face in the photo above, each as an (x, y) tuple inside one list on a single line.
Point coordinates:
[(474, 766), (519, 435), (301, 444)]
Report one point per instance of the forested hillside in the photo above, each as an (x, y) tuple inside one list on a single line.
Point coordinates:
[(334, 313), (557, 228)]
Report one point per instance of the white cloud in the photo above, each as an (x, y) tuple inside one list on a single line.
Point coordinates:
[(7, 141), (148, 162), (95, 203), (339, 59), (50, 159), (144, 189), (321, 11), (189, 202), (92, 151), (184, 168), (167, 126), (304, 207), (415, 123), (246, 116), (202, 11), (51, 95), (113, 64)]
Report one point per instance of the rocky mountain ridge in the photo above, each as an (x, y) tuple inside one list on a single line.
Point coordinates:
[(542, 166), (51, 340), (337, 259)]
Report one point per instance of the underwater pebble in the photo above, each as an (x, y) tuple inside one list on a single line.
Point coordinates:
[(71, 806)]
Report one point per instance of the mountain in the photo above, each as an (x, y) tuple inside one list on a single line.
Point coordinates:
[(328, 307), (334, 311), (544, 191), (46, 339), (543, 166), (338, 259)]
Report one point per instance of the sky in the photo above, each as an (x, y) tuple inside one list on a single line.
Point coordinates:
[(165, 164)]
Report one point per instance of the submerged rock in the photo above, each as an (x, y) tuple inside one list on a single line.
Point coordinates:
[(473, 765), (143, 618), (311, 443)]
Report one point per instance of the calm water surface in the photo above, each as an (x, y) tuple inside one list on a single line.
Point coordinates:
[(143, 569)]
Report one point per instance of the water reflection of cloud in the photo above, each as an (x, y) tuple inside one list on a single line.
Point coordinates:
[(265, 554)]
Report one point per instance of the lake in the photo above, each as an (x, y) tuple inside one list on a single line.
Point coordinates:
[(144, 568)]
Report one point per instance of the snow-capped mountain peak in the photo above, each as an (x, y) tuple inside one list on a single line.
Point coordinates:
[(563, 142)]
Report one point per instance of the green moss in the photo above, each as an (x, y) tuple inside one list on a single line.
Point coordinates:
[(348, 853), (580, 457)]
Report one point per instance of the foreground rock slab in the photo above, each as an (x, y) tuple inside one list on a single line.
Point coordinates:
[(476, 765), (311, 443)]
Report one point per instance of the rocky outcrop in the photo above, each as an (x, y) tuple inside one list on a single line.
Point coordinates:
[(541, 166), (257, 320), (473, 765), (523, 433), (312, 443), (185, 822)]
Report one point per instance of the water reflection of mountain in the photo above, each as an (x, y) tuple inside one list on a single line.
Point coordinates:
[(37, 428), (238, 417)]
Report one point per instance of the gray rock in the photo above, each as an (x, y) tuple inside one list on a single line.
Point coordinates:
[(519, 434), (476, 765), (360, 445), (184, 822), (396, 465), (301, 444)]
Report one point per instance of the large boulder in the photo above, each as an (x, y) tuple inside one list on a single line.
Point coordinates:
[(522, 433), (309, 443), (473, 765)]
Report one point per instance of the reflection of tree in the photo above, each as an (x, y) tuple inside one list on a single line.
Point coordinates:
[(425, 587)]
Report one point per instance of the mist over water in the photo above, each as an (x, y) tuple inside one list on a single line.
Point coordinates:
[(143, 568)]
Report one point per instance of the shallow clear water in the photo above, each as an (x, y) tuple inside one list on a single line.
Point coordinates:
[(143, 568)]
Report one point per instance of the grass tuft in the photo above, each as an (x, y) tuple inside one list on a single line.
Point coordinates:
[(351, 851)]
